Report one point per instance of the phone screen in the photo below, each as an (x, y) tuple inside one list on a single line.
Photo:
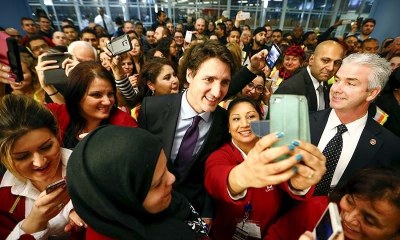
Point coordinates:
[(324, 228), (273, 56)]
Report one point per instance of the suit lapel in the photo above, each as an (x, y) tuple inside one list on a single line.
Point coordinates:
[(170, 117), (318, 122), (310, 92), (367, 147)]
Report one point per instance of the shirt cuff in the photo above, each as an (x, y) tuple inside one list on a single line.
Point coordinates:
[(18, 232), (297, 192), (237, 196)]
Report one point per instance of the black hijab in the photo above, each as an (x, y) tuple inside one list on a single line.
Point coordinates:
[(109, 175)]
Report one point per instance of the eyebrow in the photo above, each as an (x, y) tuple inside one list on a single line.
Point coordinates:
[(44, 143)]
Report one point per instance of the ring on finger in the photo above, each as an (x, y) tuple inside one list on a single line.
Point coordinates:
[(311, 175), (60, 206)]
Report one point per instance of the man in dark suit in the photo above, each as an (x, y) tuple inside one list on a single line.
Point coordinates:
[(323, 64), (207, 68), (365, 143)]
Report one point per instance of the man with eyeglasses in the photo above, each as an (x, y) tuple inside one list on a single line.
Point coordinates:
[(37, 45), (29, 26)]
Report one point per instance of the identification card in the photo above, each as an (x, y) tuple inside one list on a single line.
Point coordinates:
[(252, 229)]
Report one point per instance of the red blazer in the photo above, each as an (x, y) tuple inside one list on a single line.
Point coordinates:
[(91, 234), (117, 117), (303, 217), (266, 202)]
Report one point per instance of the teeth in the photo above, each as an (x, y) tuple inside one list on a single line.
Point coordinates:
[(210, 99)]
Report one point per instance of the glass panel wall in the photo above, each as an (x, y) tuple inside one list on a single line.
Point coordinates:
[(307, 13)]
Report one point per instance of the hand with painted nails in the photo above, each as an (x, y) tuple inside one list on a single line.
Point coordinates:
[(75, 223), (261, 167), (5, 74), (308, 236), (46, 207), (311, 168)]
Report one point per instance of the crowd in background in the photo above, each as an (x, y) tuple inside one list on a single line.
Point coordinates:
[(156, 143)]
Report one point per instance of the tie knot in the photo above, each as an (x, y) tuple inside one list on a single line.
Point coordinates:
[(320, 87), (341, 129), (196, 121)]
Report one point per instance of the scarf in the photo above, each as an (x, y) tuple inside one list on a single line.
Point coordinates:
[(109, 175)]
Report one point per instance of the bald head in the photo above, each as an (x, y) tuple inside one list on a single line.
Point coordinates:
[(82, 51), (200, 25), (326, 60)]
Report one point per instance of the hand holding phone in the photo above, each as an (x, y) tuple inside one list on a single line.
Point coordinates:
[(188, 36), (329, 225), (119, 45), (273, 56), (9, 55), (58, 75), (53, 186)]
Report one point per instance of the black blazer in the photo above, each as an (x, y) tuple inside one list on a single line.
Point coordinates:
[(159, 115), (377, 147), (301, 84)]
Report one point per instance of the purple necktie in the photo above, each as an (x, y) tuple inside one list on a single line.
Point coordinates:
[(187, 146)]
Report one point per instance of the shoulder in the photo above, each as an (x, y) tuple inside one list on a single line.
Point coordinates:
[(121, 118)]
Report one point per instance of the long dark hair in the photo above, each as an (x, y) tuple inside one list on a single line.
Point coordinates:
[(372, 184), (149, 72), (78, 82), (241, 99)]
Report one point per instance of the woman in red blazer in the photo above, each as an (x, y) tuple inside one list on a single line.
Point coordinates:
[(248, 184)]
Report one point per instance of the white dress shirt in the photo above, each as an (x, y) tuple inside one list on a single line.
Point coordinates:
[(26, 189), (350, 141), (185, 119), (316, 84)]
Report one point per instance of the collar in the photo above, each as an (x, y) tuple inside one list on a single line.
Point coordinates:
[(25, 187), (352, 127), (244, 155), (188, 112), (313, 79)]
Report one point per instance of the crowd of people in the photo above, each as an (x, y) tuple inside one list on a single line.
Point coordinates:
[(156, 142)]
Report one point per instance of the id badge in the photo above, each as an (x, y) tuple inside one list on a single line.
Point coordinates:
[(251, 228)]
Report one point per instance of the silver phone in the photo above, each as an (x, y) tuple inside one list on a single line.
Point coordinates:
[(119, 45)]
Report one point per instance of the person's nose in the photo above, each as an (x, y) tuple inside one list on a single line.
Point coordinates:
[(244, 122), (171, 178), (216, 89), (351, 217), (106, 100), (38, 160)]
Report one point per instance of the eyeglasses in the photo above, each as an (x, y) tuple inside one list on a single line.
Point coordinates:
[(44, 46), (259, 88)]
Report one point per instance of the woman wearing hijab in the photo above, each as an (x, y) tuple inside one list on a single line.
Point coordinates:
[(123, 189)]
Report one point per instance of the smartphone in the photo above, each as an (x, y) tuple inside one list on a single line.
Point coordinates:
[(119, 45), (9, 55), (273, 56), (346, 21), (244, 15), (359, 22), (329, 225), (56, 76), (52, 187), (289, 114), (188, 36)]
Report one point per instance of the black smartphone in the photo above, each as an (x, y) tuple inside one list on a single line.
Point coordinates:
[(273, 56), (359, 22), (56, 76), (9, 55), (119, 45), (52, 187)]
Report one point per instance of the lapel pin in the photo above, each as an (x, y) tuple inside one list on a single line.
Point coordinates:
[(372, 141)]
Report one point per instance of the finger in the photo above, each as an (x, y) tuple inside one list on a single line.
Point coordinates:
[(5, 68), (307, 172), (267, 141), (279, 166), (280, 177), (312, 149)]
